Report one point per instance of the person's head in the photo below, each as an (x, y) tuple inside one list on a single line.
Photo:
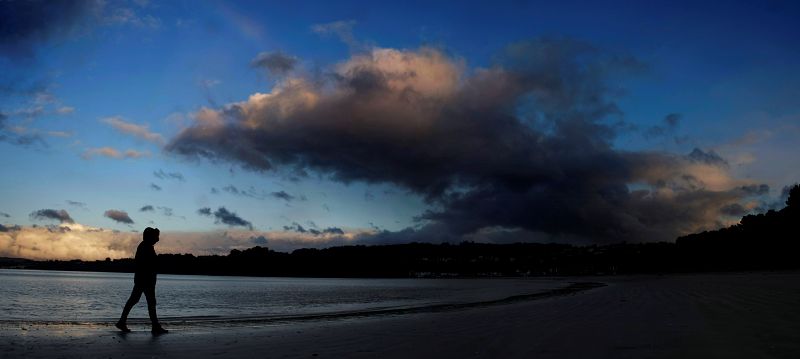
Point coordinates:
[(150, 235)]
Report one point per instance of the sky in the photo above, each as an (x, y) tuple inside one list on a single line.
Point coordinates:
[(230, 124)]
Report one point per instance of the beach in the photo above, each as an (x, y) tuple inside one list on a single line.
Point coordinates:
[(730, 315)]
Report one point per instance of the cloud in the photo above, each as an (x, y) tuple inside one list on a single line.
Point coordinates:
[(209, 83), (65, 110), (733, 210), (754, 190), (230, 218), (76, 204), (4, 214), (249, 192), (62, 134), (670, 123), (252, 192), (295, 227), (222, 215), (330, 231), (118, 216), (136, 154), (60, 215), (155, 187), (260, 240), (709, 158), (283, 195), (147, 208), (76, 241), (342, 29), (18, 135), (521, 148), (276, 63), (132, 129), (166, 211), (111, 152), (128, 16), (169, 175), (27, 24), (66, 242), (9, 228)]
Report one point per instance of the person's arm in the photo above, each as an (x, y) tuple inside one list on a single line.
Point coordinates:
[(151, 261)]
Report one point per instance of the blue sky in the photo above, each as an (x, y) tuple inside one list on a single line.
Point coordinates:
[(728, 72)]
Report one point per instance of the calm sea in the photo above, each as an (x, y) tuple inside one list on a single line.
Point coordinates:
[(45, 296)]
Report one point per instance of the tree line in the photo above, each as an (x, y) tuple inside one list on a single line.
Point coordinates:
[(767, 241)]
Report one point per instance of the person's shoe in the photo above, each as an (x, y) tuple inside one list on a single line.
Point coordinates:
[(121, 326), (159, 330)]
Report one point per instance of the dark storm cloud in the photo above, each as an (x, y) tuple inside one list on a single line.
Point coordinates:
[(524, 146), (276, 63), (147, 208), (118, 216), (169, 175), (28, 23), (59, 215)]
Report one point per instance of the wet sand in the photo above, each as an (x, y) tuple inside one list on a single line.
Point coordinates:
[(745, 315)]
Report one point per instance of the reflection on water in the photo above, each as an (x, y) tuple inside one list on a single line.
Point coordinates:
[(90, 296)]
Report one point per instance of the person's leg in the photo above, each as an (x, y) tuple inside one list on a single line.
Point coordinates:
[(136, 294), (150, 295)]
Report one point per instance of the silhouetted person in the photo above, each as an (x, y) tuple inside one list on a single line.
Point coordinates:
[(144, 281)]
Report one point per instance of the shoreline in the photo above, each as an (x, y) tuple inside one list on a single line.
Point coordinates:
[(745, 315), (570, 289)]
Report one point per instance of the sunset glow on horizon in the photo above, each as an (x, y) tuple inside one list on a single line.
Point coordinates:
[(235, 124)]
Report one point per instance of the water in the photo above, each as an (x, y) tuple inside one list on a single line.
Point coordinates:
[(31, 295)]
